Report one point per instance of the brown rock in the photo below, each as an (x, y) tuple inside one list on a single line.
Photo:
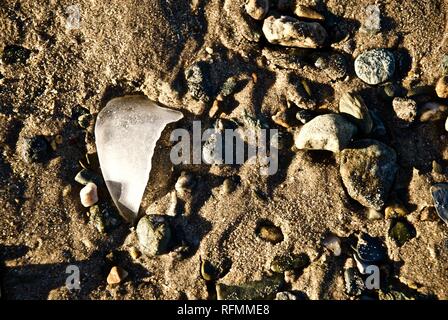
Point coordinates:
[(116, 275), (442, 87)]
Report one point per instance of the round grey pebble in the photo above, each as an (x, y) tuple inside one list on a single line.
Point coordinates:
[(375, 66), (154, 235)]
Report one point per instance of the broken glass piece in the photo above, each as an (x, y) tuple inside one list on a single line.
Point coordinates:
[(126, 131)]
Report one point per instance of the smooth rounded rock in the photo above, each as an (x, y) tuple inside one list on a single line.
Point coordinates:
[(290, 32), (354, 106), (375, 66), (89, 195), (442, 87), (368, 171), (154, 235), (257, 9), (330, 132)]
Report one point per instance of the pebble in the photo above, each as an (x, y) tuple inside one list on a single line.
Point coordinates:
[(185, 183), (330, 132), (353, 105), (442, 87), (375, 66), (257, 9), (86, 176), (134, 253), (370, 250), (283, 263), (154, 235), (36, 149), (270, 233), (285, 295), (116, 275), (433, 111), (439, 194), (85, 121), (290, 32), (373, 214), (401, 232), (104, 217), (368, 172), (198, 81), (395, 211), (89, 194), (228, 186), (333, 243), (446, 124), (372, 22), (263, 289), (299, 10), (405, 111), (428, 213), (334, 66)]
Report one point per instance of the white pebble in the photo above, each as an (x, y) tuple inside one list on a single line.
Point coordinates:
[(333, 244), (89, 195)]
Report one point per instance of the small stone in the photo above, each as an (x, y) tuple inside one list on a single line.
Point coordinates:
[(263, 289), (228, 186), (285, 295), (116, 275), (333, 244), (354, 106), (154, 235), (283, 263), (433, 111), (375, 66), (372, 23), (368, 172), (444, 64), (281, 119), (299, 10), (96, 218), (306, 12), (442, 87), (134, 253), (370, 250), (13, 54), (86, 176), (67, 190), (36, 149), (270, 233), (428, 213), (184, 184), (330, 132), (290, 32), (395, 211), (446, 124), (85, 121), (257, 9), (198, 81), (439, 194), (373, 214), (334, 66), (401, 232), (405, 111), (89, 195)]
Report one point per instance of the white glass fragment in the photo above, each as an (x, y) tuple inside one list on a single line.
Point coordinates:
[(126, 133)]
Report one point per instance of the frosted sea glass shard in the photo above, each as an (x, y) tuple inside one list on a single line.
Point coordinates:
[(126, 133)]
